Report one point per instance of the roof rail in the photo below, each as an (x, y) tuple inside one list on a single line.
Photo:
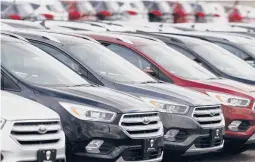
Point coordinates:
[(140, 35), (42, 34), (148, 37), (76, 35), (14, 36)]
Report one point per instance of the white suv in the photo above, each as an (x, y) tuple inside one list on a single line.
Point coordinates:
[(29, 132)]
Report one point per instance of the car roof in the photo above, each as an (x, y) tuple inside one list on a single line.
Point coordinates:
[(72, 24), (224, 36), (123, 38), (15, 23), (10, 39), (186, 39), (62, 38)]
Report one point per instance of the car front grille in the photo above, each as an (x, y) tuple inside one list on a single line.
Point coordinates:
[(208, 116), (206, 142), (141, 125), (36, 133), (136, 154)]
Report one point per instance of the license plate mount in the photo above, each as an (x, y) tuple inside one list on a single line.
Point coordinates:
[(47, 155)]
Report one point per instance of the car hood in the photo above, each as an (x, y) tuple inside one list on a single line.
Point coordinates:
[(231, 84), (103, 97), (177, 94), (18, 108)]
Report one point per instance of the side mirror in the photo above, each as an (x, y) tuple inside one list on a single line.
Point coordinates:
[(149, 71)]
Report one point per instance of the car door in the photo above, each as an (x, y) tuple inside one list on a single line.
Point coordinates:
[(137, 60)]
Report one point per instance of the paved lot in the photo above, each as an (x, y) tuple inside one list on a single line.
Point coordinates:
[(248, 156)]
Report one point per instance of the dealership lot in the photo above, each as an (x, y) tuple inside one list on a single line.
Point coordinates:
[(127, 81)]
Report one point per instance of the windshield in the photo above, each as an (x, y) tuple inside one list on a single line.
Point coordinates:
[(176, 63), (223, 60), (250, 48), (32, 65), (108, 64)]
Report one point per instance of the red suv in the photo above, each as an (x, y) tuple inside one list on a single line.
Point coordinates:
[(166, 64)]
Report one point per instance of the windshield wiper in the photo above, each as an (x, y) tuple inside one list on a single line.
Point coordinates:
[(149, 81)]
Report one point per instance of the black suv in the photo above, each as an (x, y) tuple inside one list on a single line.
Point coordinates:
[(99, 123)]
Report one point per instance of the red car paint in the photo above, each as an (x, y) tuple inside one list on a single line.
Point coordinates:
[(220, 86)]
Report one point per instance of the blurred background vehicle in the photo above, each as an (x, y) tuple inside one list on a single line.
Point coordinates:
[(182, 11), (159, 11), (18, 11), (240, 13), (133, 11), (209, 13), (79, 10), (50, 9), (107, 10)]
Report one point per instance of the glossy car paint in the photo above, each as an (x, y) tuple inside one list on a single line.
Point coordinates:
[(184, 43), (158, 90), (218, 85), (80, 132)]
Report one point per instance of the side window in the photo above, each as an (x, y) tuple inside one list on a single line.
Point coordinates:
[(8, 84), (68, 61), (137, 60), (61, 57), (183, 51), (233, 50), (130, 56)]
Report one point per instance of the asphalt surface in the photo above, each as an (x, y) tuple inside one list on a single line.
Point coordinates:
[(247, 156)]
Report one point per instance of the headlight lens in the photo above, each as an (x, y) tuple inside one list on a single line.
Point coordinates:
[(229, 99), (88, 113), (167, 106), (2, 123)]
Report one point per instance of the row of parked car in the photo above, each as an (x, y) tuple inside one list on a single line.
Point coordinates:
[(98, 94), (133, 10)]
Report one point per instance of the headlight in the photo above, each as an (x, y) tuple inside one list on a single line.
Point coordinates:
[(229, 99), (2, 123), (88, 113), (167, 106)]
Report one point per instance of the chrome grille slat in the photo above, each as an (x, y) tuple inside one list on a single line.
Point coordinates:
[(208, 119), (134, 126), (32, 128), (27, 133), (208, 116)]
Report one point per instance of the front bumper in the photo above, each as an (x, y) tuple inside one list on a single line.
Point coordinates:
[(152, 160), (194, 139), (117, 144), (13, 151), (242, 114), (251, 140)]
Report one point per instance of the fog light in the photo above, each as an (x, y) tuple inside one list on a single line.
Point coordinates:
[(171, 134), (234, 125), (93, 146)]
